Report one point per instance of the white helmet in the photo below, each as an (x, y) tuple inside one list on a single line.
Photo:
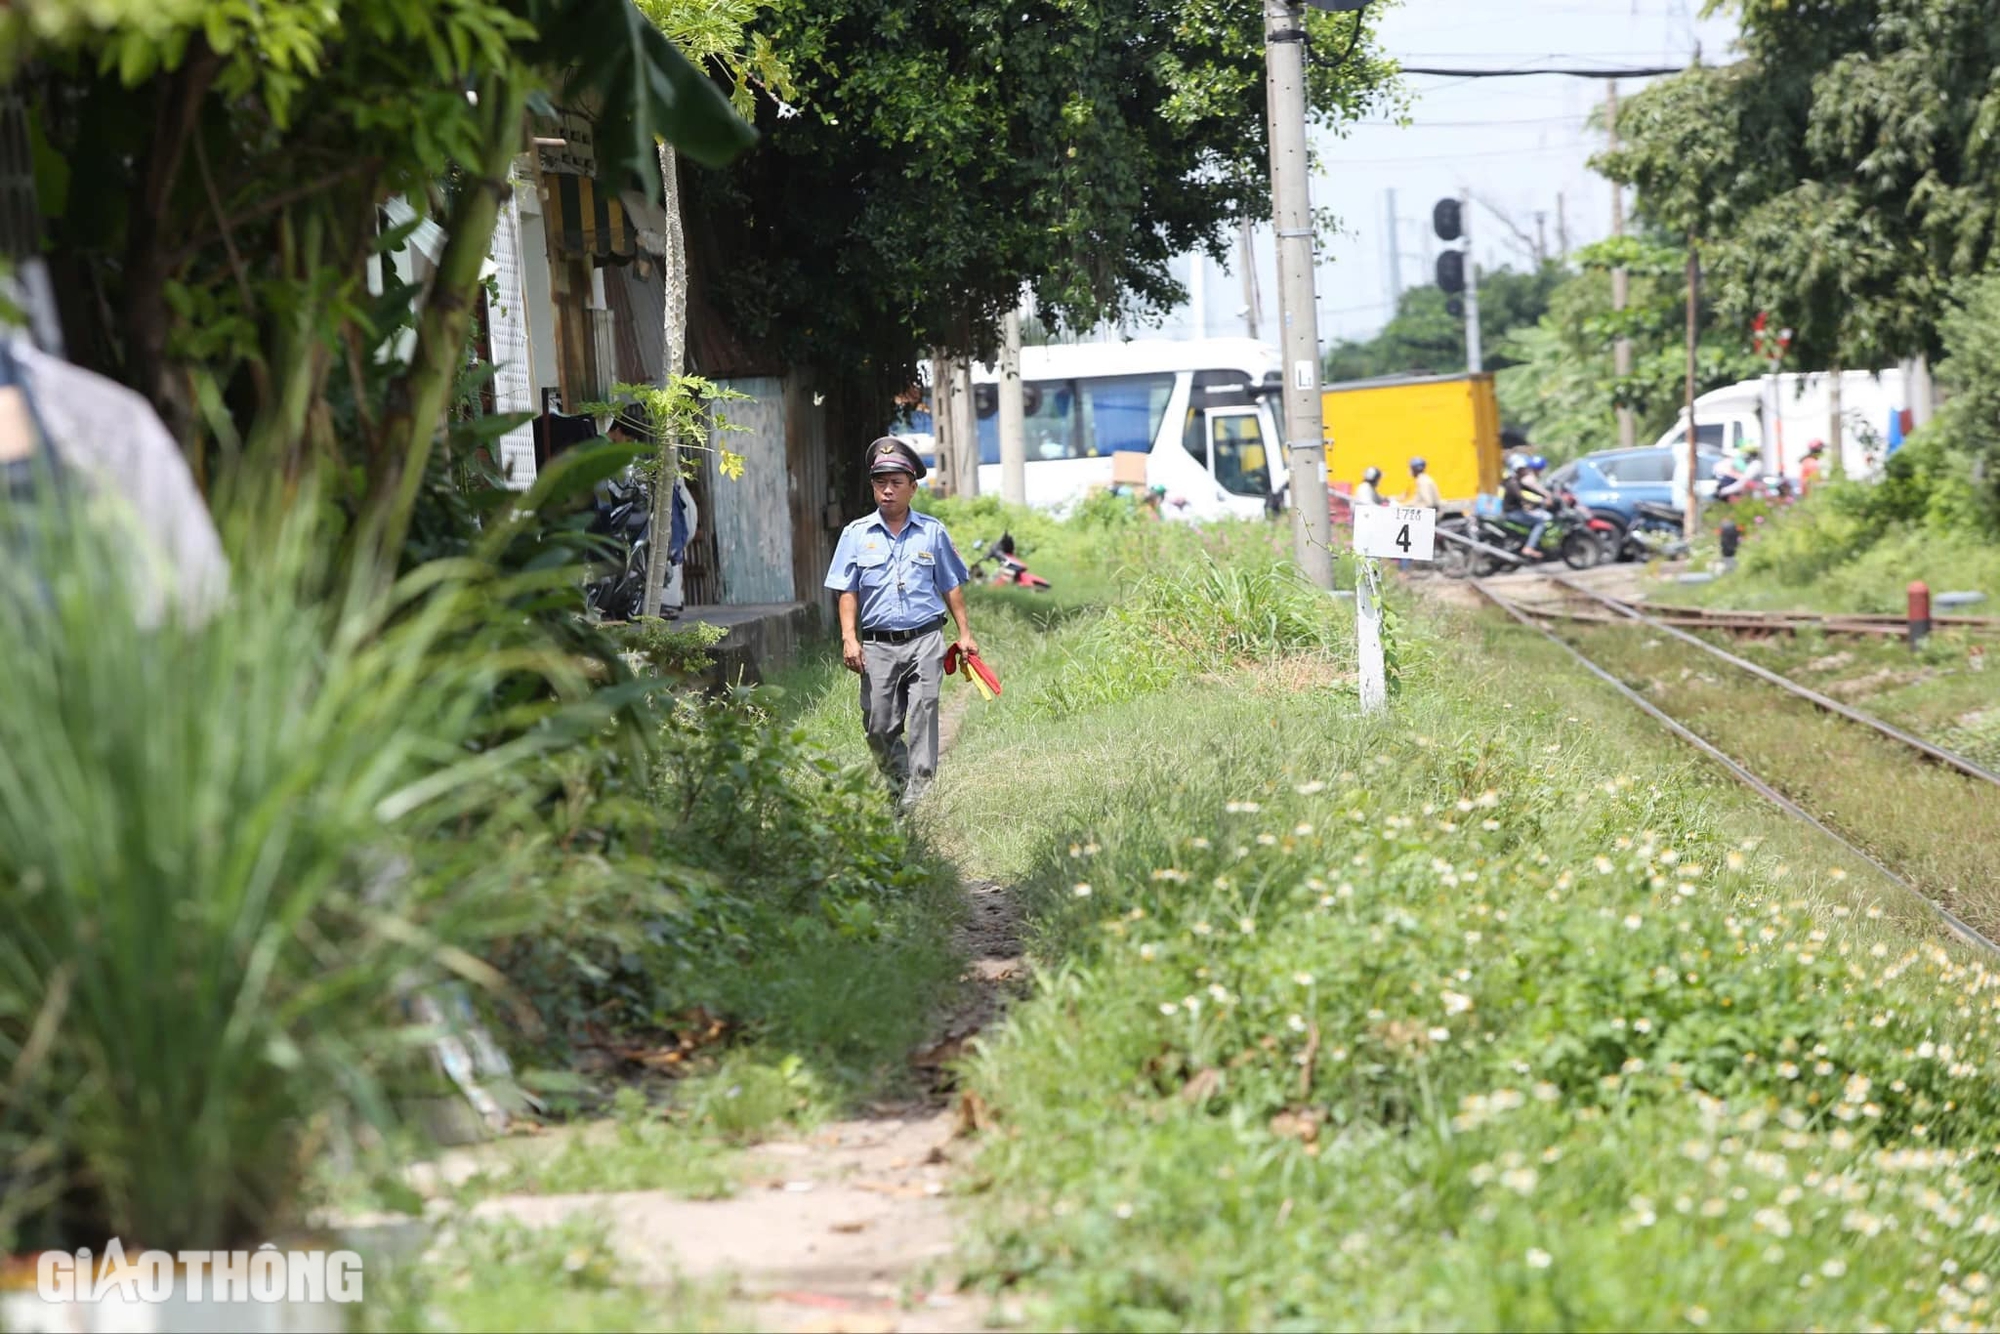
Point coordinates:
[(1517, 463)]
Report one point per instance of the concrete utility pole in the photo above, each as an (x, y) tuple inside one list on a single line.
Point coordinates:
[(1013, 435), (946, 483), (1562, 228), (1246, 258), (1690, 522), (658, 568), (1475, 360), (1919, 390), (1198, 293), (1298, 317), (1621, 351), (964, 430), (1395, 257)]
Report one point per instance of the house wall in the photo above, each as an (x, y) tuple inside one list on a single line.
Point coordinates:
[(538, 285)]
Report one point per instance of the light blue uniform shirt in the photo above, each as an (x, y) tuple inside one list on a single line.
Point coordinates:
[(901, 579)]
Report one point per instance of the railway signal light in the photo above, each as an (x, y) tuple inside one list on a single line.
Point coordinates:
[(1451, 272), (1446, 221)]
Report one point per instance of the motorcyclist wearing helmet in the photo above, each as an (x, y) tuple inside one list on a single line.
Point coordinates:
[(1370, 491), (1521, 501), (1423, 487), (1813, 467), (1735, 479)]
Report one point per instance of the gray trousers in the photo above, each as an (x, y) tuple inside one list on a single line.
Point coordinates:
[(899, 709)]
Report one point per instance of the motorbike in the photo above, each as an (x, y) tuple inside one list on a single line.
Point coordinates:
[(1607, 532), (1779, 490), (1008, 569), (621, 515), (1653, 534), (1575, 534)]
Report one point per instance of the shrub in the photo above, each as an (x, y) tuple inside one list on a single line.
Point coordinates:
[(1205, 616), (743, 870), (676, 652), (223, 851)]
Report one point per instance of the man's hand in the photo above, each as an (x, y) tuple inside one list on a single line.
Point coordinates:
[(954, 602), (850, 654)]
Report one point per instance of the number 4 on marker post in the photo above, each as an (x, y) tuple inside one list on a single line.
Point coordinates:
[(1395, 532)]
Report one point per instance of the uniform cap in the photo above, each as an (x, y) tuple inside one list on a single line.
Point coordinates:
[(888, 454)]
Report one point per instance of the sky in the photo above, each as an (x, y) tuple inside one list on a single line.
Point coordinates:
[(1519, 144)]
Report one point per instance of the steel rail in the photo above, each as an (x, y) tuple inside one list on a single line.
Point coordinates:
[(1957, 925), (1453, 535), (1888, 618), (1936, 754), (1745, 626)]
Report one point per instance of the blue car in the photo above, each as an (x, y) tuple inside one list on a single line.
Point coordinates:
[(1613, 482)]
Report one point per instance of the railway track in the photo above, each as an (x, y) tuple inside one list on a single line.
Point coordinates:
[(1762, 624), (1608, 610), (1838, 621)]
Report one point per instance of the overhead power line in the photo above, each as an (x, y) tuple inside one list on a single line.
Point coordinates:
[(1629, 72), (1417, 123)]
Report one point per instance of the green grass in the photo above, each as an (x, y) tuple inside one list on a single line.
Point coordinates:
[(1447, 1018), (638, 1149), (1939, 692), (1932, 824), (499, 1276), (1801, 562)]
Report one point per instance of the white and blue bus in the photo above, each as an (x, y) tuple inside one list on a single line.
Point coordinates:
[(1204, 414)]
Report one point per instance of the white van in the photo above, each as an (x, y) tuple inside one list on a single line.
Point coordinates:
[(1785, 413), (1203, 412)]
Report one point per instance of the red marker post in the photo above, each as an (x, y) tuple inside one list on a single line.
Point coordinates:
[(1920, 612)]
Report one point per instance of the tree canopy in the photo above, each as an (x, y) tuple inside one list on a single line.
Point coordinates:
[(1423, 338), (1562, 387), (213, 256), (1841, 175), (942, 157)]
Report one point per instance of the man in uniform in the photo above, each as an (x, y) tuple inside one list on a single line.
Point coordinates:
[(897, 573)]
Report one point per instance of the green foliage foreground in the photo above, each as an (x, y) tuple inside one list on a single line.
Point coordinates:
[(1489, 1014), (229, 849), (225, 849)]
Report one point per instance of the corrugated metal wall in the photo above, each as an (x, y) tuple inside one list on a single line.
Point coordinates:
[(751, 517), (816, 519)]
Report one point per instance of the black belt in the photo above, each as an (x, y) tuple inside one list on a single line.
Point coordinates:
[(901, 636)]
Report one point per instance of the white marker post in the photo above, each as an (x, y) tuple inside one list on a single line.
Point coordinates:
[(1392, 532)]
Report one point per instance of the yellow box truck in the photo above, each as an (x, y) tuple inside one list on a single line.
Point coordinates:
[(1453, 421)]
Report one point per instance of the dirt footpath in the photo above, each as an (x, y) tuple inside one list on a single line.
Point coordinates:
[(846, 1229)]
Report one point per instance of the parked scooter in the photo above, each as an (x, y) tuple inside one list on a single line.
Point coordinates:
[(1008, 569), (622, 514), (1653, 534)]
